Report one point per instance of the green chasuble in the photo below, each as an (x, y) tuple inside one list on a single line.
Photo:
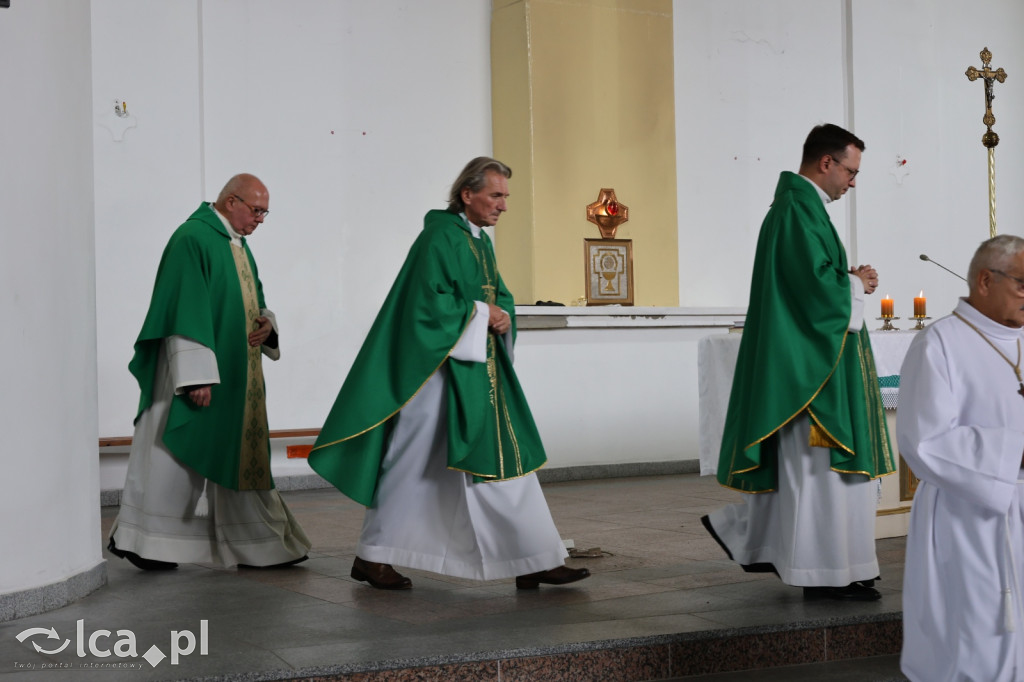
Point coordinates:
[(491, 433), (797, 353), (209, 291)]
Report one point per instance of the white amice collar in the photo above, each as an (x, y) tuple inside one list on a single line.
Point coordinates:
[(825, 198), (236, 238), (473, 229)]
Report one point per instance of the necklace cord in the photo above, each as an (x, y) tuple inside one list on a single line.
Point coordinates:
[(1016, 367)]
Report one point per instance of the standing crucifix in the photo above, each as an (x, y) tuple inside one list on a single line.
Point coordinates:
[(989, 139)]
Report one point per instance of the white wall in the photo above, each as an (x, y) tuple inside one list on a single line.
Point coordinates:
[(912, 99), (147, 177), (51, 524), (357, 115), (753, 77)]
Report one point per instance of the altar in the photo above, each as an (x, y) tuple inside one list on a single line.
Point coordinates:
[(716, 364)]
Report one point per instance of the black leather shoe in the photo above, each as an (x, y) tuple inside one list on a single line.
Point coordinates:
[(761, 567), (381, 576), (563, 575), (706, 522), (139, 562), (853, 592), (283, 564)]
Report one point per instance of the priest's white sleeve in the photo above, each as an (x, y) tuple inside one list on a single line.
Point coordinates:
[(472, 346), (190, 362), (275, 352), (974, 462), (856, 303)]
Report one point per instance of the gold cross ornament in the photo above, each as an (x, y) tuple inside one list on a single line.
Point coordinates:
[(607, 213), (989, 139)]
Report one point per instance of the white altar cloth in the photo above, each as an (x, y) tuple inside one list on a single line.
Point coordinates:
[(716, 364)]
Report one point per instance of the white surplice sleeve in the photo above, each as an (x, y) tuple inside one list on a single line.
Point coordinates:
[(472, 346), (190, 363), (976, 463), (856, 303)]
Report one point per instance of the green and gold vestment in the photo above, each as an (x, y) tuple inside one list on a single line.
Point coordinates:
[(209, 291), (798, 354), (491, 432)]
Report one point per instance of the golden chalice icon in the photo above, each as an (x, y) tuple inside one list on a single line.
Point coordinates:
[(608, 265), (610, 271)]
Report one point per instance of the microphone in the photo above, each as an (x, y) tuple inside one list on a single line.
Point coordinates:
[(924, 257)]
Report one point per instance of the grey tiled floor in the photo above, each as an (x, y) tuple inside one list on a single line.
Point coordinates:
[(660, 574)]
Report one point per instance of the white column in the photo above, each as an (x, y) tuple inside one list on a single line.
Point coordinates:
[(50, 505)]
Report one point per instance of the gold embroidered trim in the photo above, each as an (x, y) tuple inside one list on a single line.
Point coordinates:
[(865, 473), (748, 492), (825, 434), (817, 437), (839, 357), (732, 463), (502, 418), (512, 436), (875, 411), (497, 479)]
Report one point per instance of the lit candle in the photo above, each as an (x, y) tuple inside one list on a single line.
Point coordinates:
[(919, 302), (886, 307)]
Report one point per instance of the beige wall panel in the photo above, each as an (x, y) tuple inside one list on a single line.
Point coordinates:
[(600, 113)]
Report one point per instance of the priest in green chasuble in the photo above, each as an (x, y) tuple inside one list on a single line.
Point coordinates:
[(431, 430), (805, 431), (199, 487)]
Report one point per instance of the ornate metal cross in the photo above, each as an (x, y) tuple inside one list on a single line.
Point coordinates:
[(989, 139)]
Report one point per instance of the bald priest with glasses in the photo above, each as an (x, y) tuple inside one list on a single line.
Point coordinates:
[(199, 488)]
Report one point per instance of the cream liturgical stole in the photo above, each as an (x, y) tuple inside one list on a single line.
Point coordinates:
[(254, 463)]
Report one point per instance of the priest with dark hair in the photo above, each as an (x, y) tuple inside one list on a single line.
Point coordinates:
[(805, 431)]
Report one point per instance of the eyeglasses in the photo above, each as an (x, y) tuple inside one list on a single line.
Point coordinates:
[(258, 212), (1018, 280), (852, 172)]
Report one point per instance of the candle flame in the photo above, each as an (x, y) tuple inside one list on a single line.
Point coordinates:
[(921, 295)]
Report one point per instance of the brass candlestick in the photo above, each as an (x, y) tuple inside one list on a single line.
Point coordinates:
[(887, 324), (920, 322)]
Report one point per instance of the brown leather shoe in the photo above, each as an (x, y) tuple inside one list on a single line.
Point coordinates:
[(563, 575), (381, 576)]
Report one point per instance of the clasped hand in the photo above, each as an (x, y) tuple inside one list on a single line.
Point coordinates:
[(262, 332), (499, 321), (868, 275)]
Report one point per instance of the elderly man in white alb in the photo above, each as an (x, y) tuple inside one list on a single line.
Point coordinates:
[(961, 430)]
